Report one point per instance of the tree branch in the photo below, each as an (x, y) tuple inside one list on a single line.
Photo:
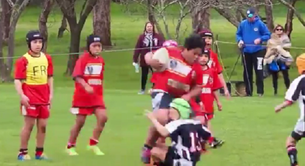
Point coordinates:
[(83, 7), (296, 13), (87, 11)]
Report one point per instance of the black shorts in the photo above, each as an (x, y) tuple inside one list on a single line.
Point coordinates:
[(172, 158), (161, 100)]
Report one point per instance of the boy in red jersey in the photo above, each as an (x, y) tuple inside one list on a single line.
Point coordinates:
[(181, 79), (34, 85), (207, 35), (208, 95), (88, 94)]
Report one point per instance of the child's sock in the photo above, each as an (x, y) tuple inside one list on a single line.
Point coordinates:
[(70, 145), (23, 151), (93, 142), (39, 151), (292, 154)]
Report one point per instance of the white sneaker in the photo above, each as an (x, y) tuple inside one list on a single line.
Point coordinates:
[(141, 92)]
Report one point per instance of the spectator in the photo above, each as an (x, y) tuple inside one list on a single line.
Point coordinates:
[(280, 65), (148, 41), (250, 35)]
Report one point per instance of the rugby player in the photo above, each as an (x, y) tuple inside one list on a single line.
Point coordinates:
[(295, 92), (186, 135), (34, 85), (207, 96), (88, 95), (207, 35), (181, 79)]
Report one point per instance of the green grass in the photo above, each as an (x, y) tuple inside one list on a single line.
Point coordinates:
[(255, 136)]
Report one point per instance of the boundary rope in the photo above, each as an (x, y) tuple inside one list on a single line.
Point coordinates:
[(134, 49)]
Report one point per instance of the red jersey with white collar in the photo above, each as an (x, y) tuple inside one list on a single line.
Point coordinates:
[(179, 77), (91, 69)]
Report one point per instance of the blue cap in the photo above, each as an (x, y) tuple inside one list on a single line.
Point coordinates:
[(250, 12)]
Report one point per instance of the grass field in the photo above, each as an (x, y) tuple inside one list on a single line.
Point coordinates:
[(254, 134)]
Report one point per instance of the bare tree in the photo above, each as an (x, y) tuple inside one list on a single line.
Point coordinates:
[(269, 14), (68, 9), (101, 21), (62, 28), (17, 8), (7, 12), (43, 19), (291, 12), (201, 19), (2, 67)]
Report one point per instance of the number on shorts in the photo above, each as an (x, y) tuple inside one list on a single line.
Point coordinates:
[(195, 143)]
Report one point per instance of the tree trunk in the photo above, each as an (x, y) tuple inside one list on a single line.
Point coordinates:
[(269, 15), (74, 48), (7, 12), (2, 66), (152, 18), (289, 19), (17, 9), (68, 10), (101, 21), (201, 20), (46, 9), (62, 28), (228, 15)]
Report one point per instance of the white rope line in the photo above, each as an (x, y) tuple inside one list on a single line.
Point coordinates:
[(135, 49)]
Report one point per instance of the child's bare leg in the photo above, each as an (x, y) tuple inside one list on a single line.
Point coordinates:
[(25, 134), (41, 134), (159, 154), (79, 123)]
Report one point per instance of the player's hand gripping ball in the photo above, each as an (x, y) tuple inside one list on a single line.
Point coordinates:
[(160, 60)]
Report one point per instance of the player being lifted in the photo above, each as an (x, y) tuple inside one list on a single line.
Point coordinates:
[(88, 95), (34, 85), (296, 92), (208, 95), (182, 78), (186, 135)]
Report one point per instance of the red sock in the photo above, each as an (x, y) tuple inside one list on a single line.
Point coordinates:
[(39, 151), (70, 145), (211, 139), (93, 142)]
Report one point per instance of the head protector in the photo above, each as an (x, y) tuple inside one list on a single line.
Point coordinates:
[(91, 39), (33, 35), (183, 108)]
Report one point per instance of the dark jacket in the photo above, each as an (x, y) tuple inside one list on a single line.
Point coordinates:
[(141, 48)]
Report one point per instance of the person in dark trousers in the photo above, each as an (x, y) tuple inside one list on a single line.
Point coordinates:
[(278, 65), (250, 34), (148, 41)]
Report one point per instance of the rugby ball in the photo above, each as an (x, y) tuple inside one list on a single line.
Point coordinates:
[(163, 57)]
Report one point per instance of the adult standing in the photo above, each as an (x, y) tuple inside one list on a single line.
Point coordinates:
[(280, 64), (148, 41), (250, 34)]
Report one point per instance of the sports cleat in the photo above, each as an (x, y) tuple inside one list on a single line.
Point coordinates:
[(216, 143), (41, 157), (96, 150), (23, 157), (71, 151), (145, 156)]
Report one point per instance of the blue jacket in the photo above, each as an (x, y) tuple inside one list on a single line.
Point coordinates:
[(249, 31)]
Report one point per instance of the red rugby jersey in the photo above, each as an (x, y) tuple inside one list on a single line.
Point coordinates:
[(180, 76), (208, 87), (91, 69), (34, 73)]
